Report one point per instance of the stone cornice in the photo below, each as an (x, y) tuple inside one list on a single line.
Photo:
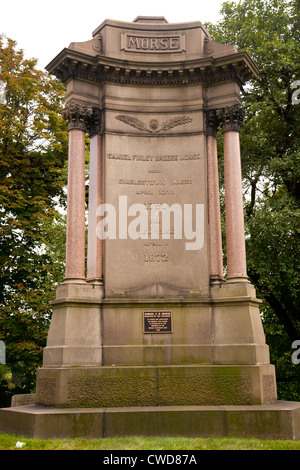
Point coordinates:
[(99, 68)]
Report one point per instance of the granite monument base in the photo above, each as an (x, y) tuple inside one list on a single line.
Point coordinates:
[(280, 420), (202, 370), (123, 386), (157, 326), (189, 350)]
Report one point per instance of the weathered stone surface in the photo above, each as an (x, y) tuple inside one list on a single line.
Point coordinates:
[(83, 387), (277, 421)]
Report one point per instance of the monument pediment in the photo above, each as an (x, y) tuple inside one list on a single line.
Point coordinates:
[(137, 53)]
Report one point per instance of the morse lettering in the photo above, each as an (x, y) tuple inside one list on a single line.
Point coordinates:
[(152, 44)]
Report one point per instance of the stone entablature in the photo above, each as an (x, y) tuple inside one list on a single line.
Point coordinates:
[(73, 64), (146, 46)]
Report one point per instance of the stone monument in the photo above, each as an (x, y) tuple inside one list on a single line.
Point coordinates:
[(146, 330)]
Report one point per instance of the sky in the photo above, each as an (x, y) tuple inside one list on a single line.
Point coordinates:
[(43, 29)]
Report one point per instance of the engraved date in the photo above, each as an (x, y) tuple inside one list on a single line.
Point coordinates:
[(156, 258)]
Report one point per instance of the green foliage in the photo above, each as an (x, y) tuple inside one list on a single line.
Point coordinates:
[(33, 154)]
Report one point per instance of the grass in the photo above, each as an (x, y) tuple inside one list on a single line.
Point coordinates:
[(8, 442)]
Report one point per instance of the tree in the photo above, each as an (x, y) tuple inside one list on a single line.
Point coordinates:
[(270, 146), (33, 155)]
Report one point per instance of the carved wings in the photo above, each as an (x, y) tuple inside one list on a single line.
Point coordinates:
[(134, 122), (153, 128), (174, 122)]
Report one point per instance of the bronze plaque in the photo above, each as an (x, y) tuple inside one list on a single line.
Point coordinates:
[(158, 321)]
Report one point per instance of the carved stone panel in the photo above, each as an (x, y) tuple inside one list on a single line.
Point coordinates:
[(156, 182)]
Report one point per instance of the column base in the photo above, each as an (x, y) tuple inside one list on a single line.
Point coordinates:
[(74, 280), (237, 280), (75, 334), (216, 279)]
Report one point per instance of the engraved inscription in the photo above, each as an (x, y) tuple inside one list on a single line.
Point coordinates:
[(153, 44), (158, 257), (152, 158), (158, 322), (161, 209), (142, 182), (160, 222), (154, 202)]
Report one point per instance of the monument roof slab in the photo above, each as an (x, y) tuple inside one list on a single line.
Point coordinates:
[(152, 51)]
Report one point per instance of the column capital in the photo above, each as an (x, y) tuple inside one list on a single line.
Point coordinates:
[(94, 125), (86, 118), (212, 122), (230, 117), (77, 115)]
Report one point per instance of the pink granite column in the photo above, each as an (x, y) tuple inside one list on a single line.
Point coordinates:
[(214, 212), (234, 213), (95, 248), (75, 240)]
